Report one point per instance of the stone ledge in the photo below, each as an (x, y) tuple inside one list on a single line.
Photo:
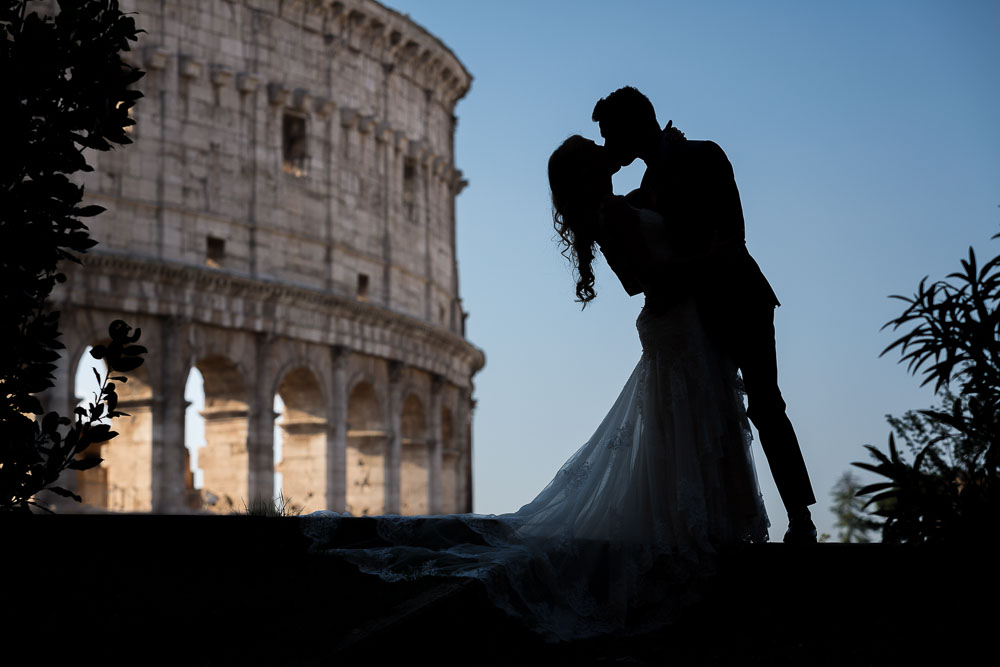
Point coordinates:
[(242, 590)]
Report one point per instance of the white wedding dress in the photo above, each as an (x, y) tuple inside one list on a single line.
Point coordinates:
[(618, 541)]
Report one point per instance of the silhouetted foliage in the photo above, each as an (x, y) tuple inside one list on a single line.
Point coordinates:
[(854, 524), (31, 466), (65, 89), (950, 490), (915, 430)]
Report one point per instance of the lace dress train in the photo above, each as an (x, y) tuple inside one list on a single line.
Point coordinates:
[(617, 542)]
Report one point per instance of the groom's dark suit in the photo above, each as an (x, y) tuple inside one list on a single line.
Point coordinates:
[(691, 184)]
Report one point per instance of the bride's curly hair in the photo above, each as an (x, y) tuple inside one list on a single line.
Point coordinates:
[(578, 184)]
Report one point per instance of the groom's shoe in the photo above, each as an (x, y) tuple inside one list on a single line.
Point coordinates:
[(801, 529)]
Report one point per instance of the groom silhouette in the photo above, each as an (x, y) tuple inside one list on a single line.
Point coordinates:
[(691, 184)]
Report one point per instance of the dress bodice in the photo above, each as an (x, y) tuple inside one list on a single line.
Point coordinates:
[(652, 230), (653, 250)]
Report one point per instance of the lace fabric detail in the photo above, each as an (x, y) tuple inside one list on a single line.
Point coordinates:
[(619, 541), (623, 436), (577, 475)]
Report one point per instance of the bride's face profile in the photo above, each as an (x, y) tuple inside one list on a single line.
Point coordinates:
[(597, 165), (580, 175), (604, 166)]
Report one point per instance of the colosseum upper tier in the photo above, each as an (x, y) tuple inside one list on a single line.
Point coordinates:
[(285, 223)]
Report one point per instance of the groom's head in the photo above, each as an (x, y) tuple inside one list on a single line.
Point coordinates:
[(628, 124)]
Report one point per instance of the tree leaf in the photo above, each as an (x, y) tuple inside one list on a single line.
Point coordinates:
[(85, 463), (871, 488), (59, 491), (89, 211)]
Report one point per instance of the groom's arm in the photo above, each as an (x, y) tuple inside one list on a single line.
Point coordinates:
[(717, 200)]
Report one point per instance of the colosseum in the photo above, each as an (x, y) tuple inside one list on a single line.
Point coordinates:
[(285, 224)]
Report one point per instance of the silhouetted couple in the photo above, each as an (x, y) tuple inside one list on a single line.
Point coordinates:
[(680, 239), (622, 537)]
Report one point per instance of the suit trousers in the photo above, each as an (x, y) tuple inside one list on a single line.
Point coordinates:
[(749, 339)]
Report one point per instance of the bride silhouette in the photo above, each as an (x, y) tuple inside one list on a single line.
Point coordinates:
[(617, 542)]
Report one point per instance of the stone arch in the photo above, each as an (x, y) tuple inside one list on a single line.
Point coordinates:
[(416, 462), (295, 363), (224, 461), (413, 420), (367, 448), (303, 427)]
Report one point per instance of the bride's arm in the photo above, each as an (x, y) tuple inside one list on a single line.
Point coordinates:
[(622, 235), (627, 247), (611, 239)]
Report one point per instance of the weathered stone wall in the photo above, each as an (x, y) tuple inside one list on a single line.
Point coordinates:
[(284, 222)]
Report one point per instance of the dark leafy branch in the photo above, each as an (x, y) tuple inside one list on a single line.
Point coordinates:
[(36, 467), (65, 89), (950, 490)]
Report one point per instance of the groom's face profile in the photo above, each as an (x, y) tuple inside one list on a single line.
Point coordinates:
[(619, 143)]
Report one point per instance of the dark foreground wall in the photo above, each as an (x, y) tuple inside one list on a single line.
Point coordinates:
[(139, 589)]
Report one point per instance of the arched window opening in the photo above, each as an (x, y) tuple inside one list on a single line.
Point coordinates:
[(194, 436), (122, 482), (224, 460), (301, 463), (92, 484)]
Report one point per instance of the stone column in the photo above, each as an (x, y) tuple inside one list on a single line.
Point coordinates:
[(260, 438), (457, 315), (336, 439), (436, 443), (394, 458), (325, 109), (463, 441), (169, 454)]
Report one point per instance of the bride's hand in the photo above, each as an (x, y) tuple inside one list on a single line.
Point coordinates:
[(673, 134)]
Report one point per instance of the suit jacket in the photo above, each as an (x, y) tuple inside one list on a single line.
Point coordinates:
[(691, 184)]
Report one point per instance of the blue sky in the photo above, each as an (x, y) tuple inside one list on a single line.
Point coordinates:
[(867, 152), (865, 145)]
